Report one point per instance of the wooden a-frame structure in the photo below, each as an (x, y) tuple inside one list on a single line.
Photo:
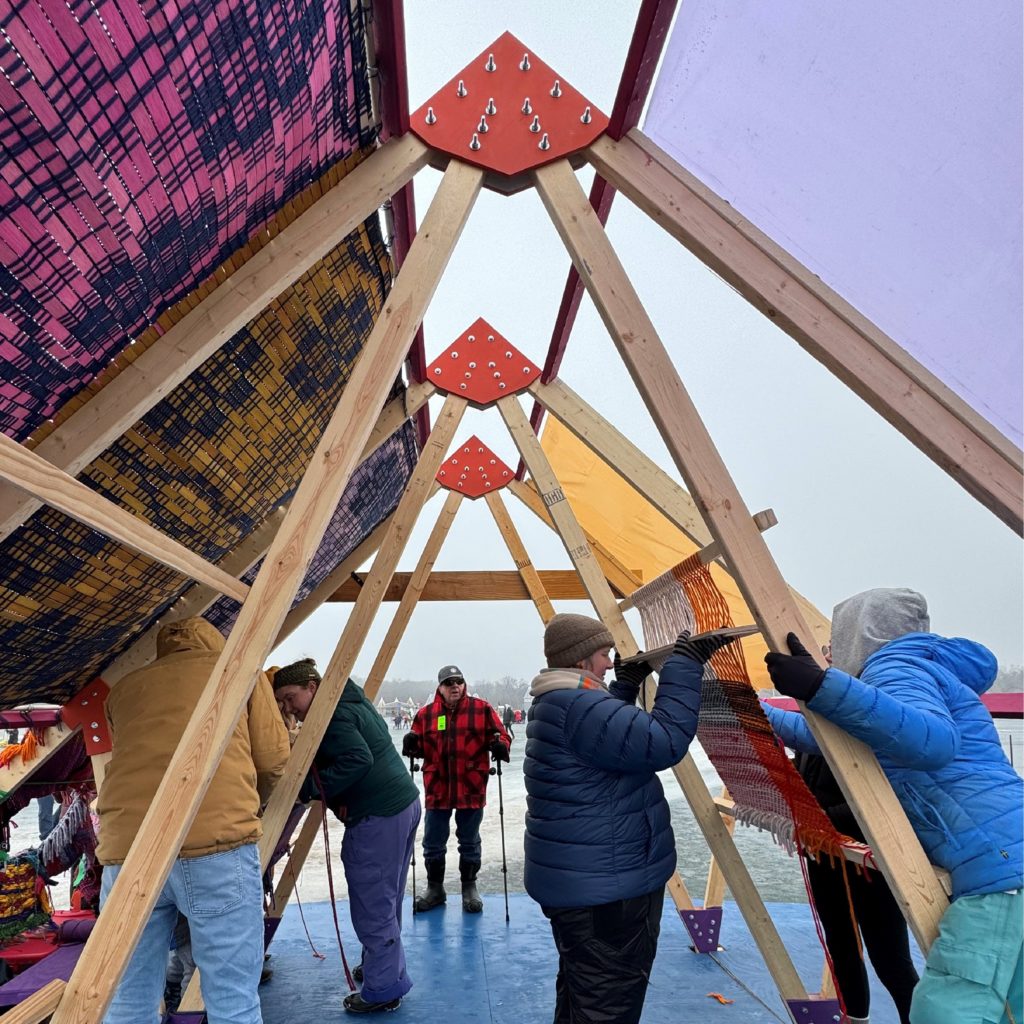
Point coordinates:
[(711, 510)]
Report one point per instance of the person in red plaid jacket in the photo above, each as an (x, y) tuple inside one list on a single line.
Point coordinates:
[(455, 735)]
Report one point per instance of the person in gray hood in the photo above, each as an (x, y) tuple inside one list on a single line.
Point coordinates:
[(914, 698)]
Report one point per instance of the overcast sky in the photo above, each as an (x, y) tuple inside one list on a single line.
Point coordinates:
[(858, 505)]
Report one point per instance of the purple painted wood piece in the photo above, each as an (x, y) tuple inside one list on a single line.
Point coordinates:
[(704, 926), (815, 1011)]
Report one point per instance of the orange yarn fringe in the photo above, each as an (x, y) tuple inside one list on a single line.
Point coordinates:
[(26, 750)]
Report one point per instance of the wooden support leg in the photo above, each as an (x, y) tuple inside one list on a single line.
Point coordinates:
[(199, 752), (38, 1007), (866, 788), (696, 792), (517, 550), (412, 593), (714, 891), (359, 621)]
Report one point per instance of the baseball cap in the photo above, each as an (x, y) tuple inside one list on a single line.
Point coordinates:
[(450, 672)]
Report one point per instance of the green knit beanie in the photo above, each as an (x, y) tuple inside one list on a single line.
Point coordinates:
[(297, 674), (570, 639)]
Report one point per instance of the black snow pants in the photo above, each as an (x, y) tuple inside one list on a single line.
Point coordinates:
[(605, 955)]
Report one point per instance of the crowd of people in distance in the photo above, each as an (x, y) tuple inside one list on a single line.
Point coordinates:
[(599, 847)]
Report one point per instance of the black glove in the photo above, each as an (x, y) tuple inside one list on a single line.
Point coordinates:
[(411, 745), (499, 750), (632, 674), (699, 650), (797, 674)]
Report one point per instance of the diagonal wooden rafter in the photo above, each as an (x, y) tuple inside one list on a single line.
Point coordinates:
[(26, 470), (865, 786), (202, 745), (249, 551), (193, 339), (887, 377)]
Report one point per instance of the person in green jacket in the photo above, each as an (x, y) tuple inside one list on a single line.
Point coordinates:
[(360, 776)]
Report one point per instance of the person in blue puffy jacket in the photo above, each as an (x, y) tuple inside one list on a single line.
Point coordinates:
[(599, 843), (914, 698)]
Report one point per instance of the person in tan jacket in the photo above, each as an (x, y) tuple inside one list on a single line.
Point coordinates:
[(215, 882)]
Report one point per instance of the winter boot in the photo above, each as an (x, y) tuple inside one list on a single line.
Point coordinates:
[(435, 896), (471, 902)]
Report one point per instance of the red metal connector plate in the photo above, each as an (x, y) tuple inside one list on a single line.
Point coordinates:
[(508, 112), (482, 366), (86, 709), (473, 469)]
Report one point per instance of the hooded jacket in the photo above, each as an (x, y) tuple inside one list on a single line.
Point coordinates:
[(598, 827), (148, 711), (917, 704)]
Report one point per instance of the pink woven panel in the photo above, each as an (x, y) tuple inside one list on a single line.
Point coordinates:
[(143, 143)]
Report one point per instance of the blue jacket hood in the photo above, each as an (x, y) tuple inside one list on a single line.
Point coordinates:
[(972, 663)]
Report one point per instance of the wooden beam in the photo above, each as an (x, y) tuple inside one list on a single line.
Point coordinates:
[(714, 890), (38, 1006), (622, 579), (671, 500), (311, 826), (474, 585), (763, 520), (517, 549), (875, 367), (865, 786), (192, 340), (359, 621), (17, 771), (26, 470), (696, 792), (411, 596), (252, 548), (202, 745)]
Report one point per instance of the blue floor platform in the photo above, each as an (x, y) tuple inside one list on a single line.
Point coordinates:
[(473, 969)]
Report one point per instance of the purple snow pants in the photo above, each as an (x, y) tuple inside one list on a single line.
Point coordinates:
[(376, 854)]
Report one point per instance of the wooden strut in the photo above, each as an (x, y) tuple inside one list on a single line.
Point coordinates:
[(360, 619), (33, 474), (865, 786), (709, 819), (474, 585), (201, 332), (198, 754), (517, 549), (636, 468), (892, 382), (411, 597)]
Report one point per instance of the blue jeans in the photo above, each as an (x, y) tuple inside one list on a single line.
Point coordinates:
[(437, 828), (221, 894)]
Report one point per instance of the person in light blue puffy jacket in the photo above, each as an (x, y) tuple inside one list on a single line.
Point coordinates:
[(914, 698), (599, 844)]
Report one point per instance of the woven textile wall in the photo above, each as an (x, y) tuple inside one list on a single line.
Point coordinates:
[(142, 144), (205, 465)]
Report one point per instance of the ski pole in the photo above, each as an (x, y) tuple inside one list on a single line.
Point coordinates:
[(501, 824), (413, 769)]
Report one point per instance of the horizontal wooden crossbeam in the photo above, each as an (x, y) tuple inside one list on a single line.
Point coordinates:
[(560, 584)]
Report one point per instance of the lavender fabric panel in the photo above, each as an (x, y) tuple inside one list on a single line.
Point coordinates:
[(141, 143), (880, 144), (59, 964)]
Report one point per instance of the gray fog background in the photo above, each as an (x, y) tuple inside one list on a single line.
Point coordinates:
[(858, 505)]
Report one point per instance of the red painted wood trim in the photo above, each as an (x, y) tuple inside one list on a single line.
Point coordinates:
[(649, 36), (1000, 705)]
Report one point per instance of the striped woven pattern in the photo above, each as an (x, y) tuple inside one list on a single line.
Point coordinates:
[(767, 790), (143, 144)]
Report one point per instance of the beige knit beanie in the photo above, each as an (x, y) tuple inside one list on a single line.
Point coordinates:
[(569, 639)]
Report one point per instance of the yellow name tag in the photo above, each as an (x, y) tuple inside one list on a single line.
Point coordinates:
[(442, 723)]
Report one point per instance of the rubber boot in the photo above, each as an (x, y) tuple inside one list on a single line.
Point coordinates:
[(471, 902), (435, 896)]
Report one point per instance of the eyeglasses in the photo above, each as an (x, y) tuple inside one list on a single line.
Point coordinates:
[(454, 682)]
